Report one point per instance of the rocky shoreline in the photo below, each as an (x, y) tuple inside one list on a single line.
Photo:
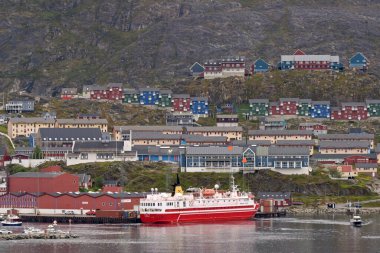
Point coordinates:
[(324, 210), (36, 236)]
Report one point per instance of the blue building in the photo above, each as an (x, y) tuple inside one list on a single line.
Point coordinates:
[(197, 69), (320, 109), (260, 66), (149, 96), (358, 61), (199, 106), (286, 160)]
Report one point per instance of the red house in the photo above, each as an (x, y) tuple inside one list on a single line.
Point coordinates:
[(350, 111), (115, 91), (49, 182), (286, 106), (97, 92), (317, 128), (181, 103)]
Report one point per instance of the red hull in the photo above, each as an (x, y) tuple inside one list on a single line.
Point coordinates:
[(182, 217)]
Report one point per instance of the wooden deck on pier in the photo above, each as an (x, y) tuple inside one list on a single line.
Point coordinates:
[(271, 215)]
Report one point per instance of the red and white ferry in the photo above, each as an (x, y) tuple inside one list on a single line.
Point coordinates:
[(204, 206)]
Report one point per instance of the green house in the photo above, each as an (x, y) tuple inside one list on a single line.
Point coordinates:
[(258, 107), (131, 96), (304, 106), (165, 98), (373, 107)]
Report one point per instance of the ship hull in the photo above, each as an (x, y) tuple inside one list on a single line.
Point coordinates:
[(199, 216)]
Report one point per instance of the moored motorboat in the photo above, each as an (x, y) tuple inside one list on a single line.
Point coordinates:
[(204, 206), (356, 221), (12, 220)]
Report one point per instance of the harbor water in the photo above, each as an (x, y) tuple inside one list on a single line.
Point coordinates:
[(288, 234)]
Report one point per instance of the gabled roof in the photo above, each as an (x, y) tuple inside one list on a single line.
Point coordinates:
[(115, 85), (258, 101), (82, 121), (199, 99), (69, 134), (278, 150), (181, 95), (197, 68), (344, 104), (372, 101), (344, 144), (245, 142), (320, 102), (98, 146), (359, 54), (40, 120), (366, 165), (295, 143), (289, 99), (362, 136), (299, 52), (130, 91)]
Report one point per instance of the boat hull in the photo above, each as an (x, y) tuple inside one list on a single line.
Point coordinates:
[(12, 224), (201, 216)]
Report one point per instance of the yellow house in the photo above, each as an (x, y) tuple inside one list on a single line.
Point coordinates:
[(348, 137), (26, 126), (369, 169), (102, 124), (344, 147), (347, 171)]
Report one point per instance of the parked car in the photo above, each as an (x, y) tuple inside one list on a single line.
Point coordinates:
[(91, 212), (69, 212), (4, 231)]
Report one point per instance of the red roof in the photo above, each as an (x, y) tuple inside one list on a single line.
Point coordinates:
[(299, 52), (346, 168)]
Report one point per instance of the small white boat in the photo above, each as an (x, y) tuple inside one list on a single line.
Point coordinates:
[(33, 231), (356, 221), (12, 220)]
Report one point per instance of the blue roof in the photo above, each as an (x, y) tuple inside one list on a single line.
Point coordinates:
[(358, 58), (260, 64), (197, 68)]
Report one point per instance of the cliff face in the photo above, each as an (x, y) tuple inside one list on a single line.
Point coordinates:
[(47, 44)]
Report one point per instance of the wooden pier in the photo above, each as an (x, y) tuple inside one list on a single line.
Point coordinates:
[(281, 213), (77, 219)]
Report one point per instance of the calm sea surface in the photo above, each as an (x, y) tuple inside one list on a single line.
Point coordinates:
[(320, 234)]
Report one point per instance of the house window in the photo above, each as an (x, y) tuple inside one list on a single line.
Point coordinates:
[(103, 203)]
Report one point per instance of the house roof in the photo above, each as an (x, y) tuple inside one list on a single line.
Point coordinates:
[(278, 150), (37, 174), (280, 132), (115, 85), (344, 104), (305, 100), (149, 89), (362, 136), (155, 150), (136, 135), (344, 144), (345, 168), (323, 157), (320, 102), (163, 128), (82, 121), (366, 165), (260, 60), (359, 54), (181, 95), (130, 91), (259, 101), (328, 58), (295, 143), (372, 101), (246, 142), (70, 134), (94, 146), (273, 195), (197, 67), (289, 99), (199, 99), (166, 91), (40, 120)]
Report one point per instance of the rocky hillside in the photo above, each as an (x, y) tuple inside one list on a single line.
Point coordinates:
[(47, 44)]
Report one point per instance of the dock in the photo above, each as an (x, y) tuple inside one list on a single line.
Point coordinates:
[(77, 219), (280, 213), (37, 236)]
